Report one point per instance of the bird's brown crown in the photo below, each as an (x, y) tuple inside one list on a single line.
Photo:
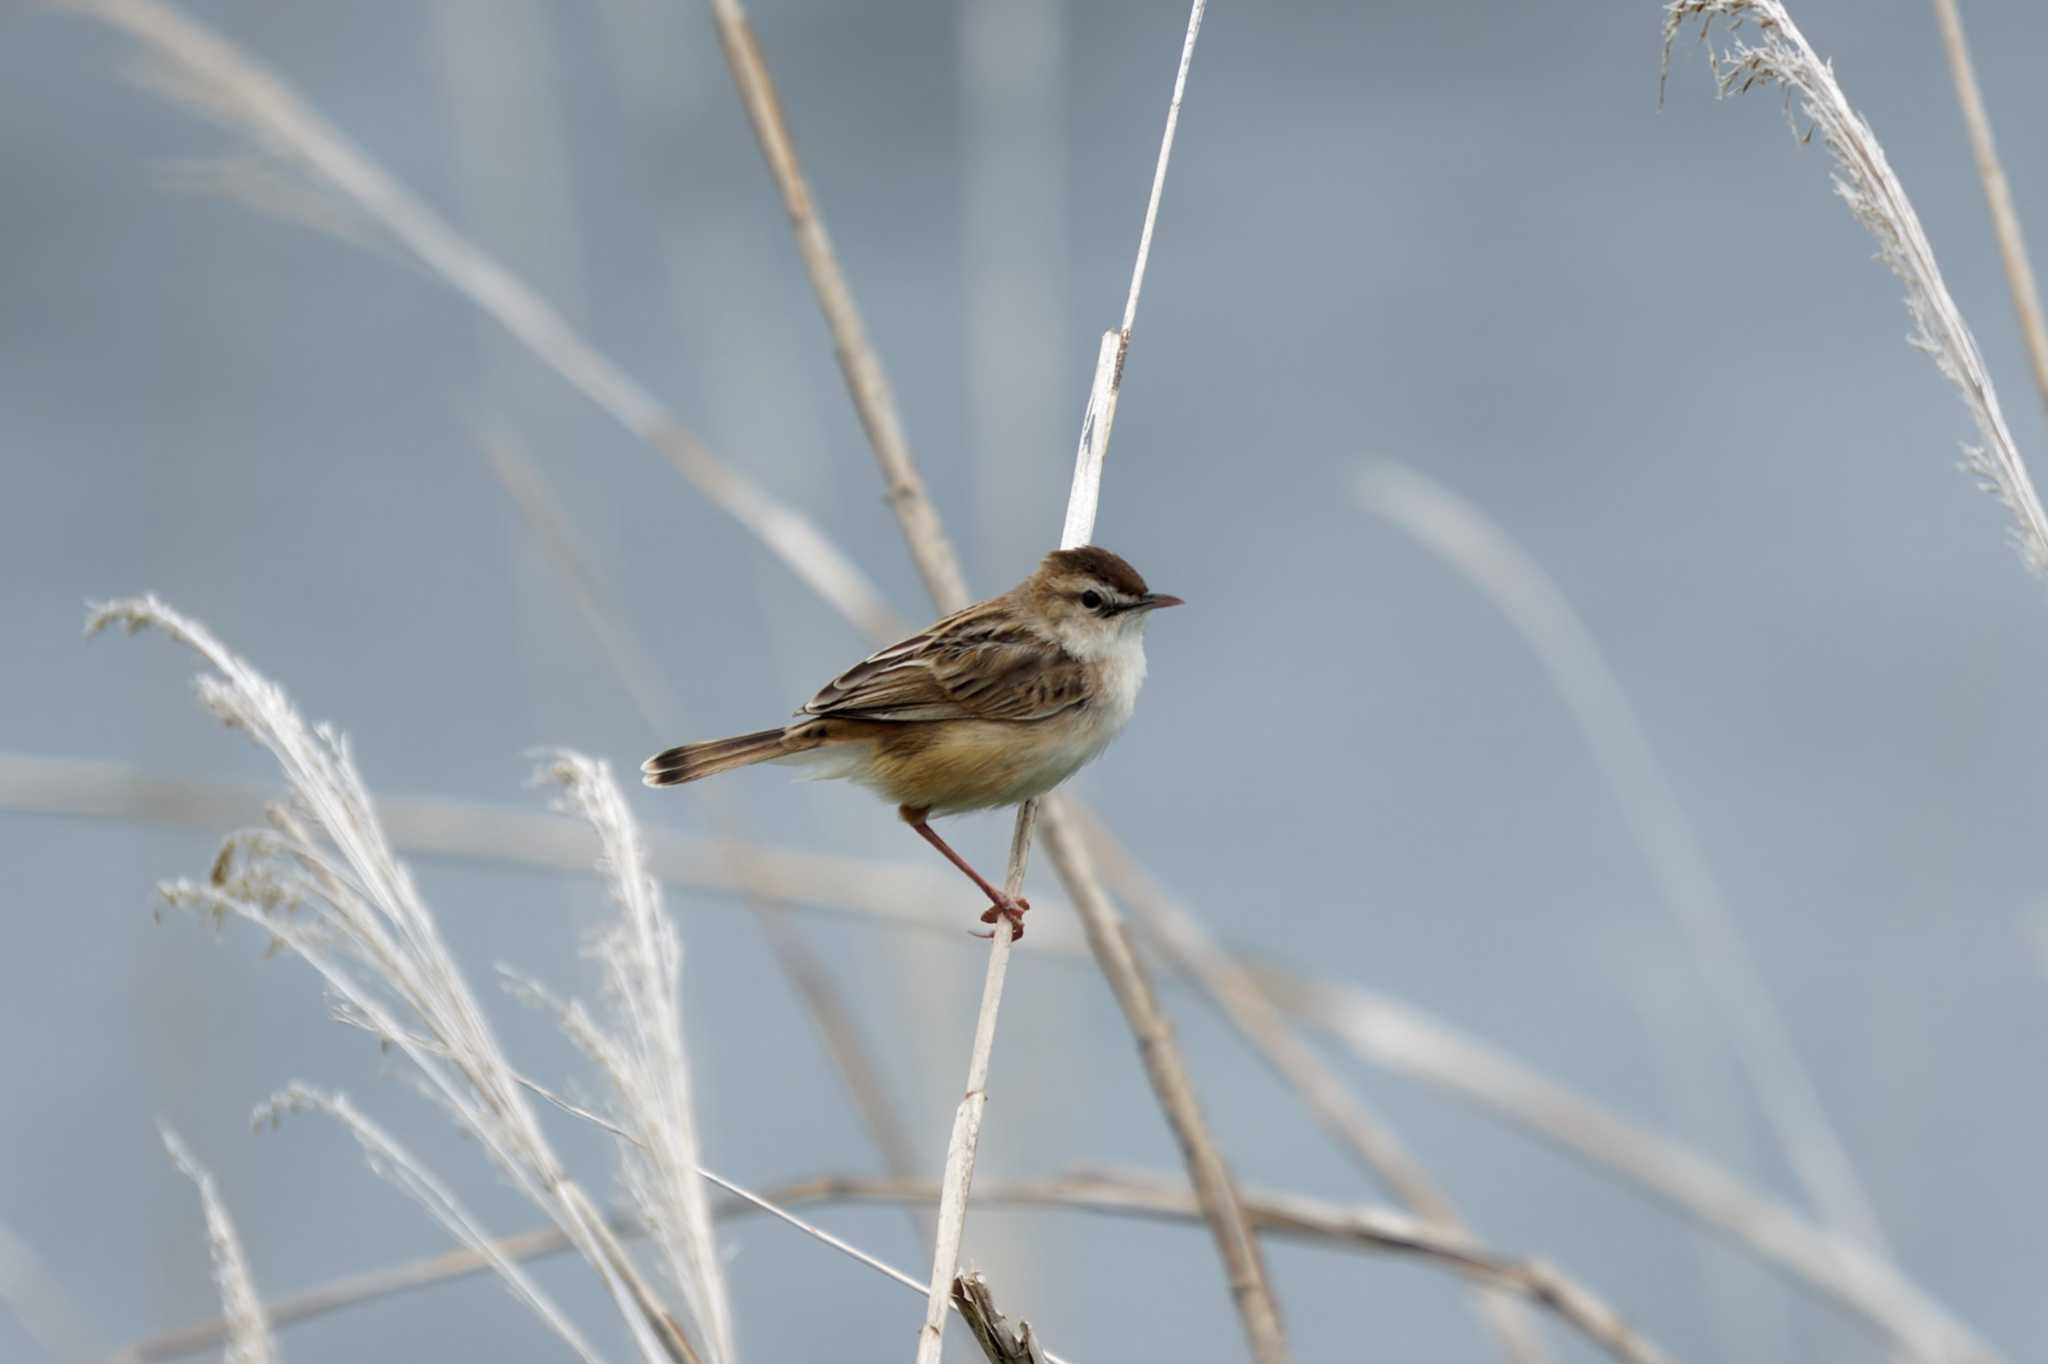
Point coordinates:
[(1109, 569)]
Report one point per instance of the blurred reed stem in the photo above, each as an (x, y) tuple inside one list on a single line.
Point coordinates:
[(1117, 1194), (1458, 533), (2005, 219)]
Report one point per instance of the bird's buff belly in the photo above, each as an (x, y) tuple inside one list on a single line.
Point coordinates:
[(956, 766)]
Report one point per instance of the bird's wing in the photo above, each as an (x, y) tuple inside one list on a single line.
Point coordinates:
[(976, 664)]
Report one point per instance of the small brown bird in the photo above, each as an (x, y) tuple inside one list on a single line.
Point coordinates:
[(991, 706)]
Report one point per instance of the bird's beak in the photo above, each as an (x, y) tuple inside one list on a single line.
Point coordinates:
[(1152, 601)]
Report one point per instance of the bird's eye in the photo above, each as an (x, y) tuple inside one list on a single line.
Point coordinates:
[(1092, 600)]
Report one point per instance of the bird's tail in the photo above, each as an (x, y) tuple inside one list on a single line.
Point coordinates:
[(690, 762)]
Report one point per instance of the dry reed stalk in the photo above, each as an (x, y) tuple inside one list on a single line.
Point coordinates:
[(46, 1313), (1118, 1194), (866, 379), (1865, 181), (1464, 538), (392, 1162), (1208, 1173), (248, 1337), (1179, 935), (1749, 1307), (1295, 1216), (220, 79), (2005, 219), (963, 1143), (1398, 1037), (2034, 927), (1108, 383)]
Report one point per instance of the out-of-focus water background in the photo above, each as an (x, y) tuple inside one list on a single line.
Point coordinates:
[(1648, 342)]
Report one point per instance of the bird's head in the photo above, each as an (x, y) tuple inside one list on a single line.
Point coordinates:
[(1091, 600)]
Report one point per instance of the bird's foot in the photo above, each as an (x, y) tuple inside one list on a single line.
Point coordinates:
[(1010, 907)]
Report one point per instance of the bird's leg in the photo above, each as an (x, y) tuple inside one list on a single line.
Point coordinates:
[(1011, 907)]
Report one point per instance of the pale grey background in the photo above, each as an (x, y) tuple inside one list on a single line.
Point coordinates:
[(1649, 342)]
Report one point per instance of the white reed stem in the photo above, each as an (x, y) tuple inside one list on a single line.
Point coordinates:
[(1109, 358), (965, 1141), (2005, 219)]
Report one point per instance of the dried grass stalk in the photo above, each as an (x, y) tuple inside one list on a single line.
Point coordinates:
[(391, 1161), (323, 880), (649, 1065), (1780, 55), (248, 1336)]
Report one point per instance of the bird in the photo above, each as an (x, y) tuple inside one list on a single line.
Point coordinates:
[(993, 705)]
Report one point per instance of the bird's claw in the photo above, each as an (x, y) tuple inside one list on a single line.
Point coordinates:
[(1012, 908)]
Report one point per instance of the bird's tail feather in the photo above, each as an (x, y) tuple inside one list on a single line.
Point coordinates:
[(690, 762)]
